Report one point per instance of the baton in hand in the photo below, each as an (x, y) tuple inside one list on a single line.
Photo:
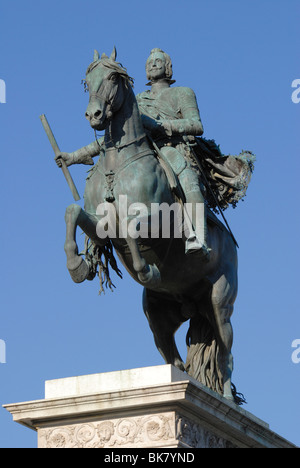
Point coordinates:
[(57, 152)]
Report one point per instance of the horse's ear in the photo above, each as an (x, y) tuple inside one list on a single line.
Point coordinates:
[(113, 55), (96, 55)]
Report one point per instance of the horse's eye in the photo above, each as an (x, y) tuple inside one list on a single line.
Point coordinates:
[(113, 77)]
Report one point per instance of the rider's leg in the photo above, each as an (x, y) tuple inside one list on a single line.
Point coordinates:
[(195, 211)]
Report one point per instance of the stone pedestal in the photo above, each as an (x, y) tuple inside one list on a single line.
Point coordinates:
[(154, 407)]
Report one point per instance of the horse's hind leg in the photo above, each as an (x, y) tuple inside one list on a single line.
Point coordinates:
[(222, 300), (164, 318), (76, 216)]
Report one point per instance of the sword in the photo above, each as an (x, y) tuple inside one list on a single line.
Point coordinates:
[(213, 193), (57, 152)]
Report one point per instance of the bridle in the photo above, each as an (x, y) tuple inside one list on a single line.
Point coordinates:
[(111, 101), (109, 98)]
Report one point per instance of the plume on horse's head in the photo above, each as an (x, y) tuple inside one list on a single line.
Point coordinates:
[(110, 63)]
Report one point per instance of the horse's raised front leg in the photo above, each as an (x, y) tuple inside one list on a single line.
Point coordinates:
[(76, 216)]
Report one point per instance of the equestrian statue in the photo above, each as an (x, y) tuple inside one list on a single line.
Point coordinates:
[(152, 198)]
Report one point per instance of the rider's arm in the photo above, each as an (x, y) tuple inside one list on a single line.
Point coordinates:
[(86, 154), (83, 155), (152, 126), (189, 121), (148, 122)]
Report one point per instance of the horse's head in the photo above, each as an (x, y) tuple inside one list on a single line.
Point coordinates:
[(106, 81)]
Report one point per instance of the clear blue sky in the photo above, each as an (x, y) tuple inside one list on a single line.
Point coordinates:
[(240, 57)]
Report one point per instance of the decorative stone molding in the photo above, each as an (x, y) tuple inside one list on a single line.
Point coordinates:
[(117, 433), (191, 434), (159, 430)]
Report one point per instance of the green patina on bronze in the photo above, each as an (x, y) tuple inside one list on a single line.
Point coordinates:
[(153, 152)]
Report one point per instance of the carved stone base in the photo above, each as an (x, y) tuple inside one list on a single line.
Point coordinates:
[(154, 407), (163, 430)]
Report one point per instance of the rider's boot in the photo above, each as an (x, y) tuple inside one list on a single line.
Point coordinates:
[(196, 241), (195, 209), (196, 224)]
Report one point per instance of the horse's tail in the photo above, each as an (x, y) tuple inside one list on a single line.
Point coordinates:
[(202, 354), (202, 357)]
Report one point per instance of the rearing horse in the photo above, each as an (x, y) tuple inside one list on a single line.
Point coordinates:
[(177, 287)]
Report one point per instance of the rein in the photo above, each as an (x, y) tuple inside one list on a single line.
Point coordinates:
[(111, 176), (130, 142), (126, 163)]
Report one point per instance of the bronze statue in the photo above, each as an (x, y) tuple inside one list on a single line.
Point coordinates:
[(149, 157)]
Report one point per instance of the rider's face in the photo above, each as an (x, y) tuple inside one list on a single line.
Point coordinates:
[(156, 66)]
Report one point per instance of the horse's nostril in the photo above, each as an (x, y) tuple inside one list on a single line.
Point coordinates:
[(87, 115), (97, 113)]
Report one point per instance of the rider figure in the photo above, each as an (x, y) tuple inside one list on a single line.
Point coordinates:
[(171, 116)]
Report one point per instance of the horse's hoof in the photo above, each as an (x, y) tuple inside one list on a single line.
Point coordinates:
[(179, 364), (80, 273), (150, 278)]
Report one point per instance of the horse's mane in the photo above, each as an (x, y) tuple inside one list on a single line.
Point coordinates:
[(112, 65)]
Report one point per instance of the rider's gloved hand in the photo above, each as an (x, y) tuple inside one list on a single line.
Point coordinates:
[(67, 157)]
